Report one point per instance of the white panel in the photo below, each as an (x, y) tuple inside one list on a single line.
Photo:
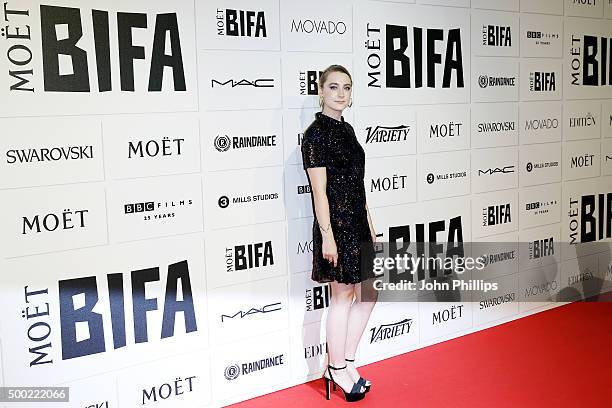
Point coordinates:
[(541, 36), (495, 34), (495, 125), (581, 120), (539, 205), (386, 131), (443, 128), (495, 79), (540, 164), (443, 175), (581, 159), (541, 79), (494, 213), (494, 169), (391, 181), (540, 122)]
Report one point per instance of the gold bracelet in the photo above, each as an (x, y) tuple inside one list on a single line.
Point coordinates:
[(325, 230)]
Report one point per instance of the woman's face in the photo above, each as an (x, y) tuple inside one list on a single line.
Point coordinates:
[(336, 91)]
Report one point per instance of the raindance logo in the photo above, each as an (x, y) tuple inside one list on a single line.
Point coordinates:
[(542, 81), (241, 23), (233, 371), (224, 142), (486, 81), (499, 36), (383, 134), (389, 331), (543, 165)]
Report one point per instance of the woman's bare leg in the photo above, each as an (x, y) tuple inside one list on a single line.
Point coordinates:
[(337, 323), (358, 317)]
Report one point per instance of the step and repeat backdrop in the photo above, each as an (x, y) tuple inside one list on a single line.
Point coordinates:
[(155, 232)]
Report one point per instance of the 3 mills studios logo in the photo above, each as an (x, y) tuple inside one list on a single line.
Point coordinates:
[(62, 29), (590, 60), (79, 317), (410, 59), (241, 23), (223, 143), (225, 201)]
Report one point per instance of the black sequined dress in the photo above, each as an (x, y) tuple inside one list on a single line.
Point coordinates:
[(332, 144)]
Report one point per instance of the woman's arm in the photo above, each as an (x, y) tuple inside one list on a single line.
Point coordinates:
[(372, 231), (318, 182)]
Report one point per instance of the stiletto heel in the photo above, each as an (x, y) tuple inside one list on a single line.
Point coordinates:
[(362, 381), (354, 395)]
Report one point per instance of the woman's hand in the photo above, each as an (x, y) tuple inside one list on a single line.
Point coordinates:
[(330, 251), (373, 233)]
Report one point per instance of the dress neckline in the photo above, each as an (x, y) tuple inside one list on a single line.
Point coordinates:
[(328, 119)]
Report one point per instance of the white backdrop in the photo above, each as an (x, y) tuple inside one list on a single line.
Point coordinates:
[(152, 256)]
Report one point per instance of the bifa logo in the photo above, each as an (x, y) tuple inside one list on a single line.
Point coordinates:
[(591, 60), (241, 23), (496, 36), (542, 81), (411, 57)]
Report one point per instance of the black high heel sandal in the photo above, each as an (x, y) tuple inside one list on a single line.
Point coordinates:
[(354, 395), (362, 381)]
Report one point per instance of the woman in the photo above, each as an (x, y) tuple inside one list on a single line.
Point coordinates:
[(343, 234)]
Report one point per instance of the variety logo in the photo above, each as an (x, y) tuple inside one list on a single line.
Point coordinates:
[(397, 182), (541, 165), (224, 201), (65, 220), (407, 49), (585, 160), (160, 210), (154, 148), (317, 298), (256, 83), (310, 26), (590, 218), (389, 331), (233, 371), (241, 23), (489, 127), (223, 142), (591, 59), (496, 215), (248, 256), (485, 81), (445, 176), (496, 36), (542, 81), (384, 134), (272, 307), (582, 121), (165, 52), (450, 129), (496, 170), (541, 248), (63, 153)]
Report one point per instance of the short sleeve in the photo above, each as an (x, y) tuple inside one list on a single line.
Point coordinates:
[(314, 149)]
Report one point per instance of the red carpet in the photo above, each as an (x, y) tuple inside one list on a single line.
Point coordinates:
[(558, 358)]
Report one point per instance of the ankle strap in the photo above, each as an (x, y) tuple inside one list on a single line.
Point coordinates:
[(350, 361), (336, 368)]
